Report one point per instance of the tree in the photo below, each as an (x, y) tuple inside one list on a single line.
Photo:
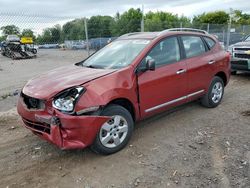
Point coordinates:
[(56, 34), (74, 30), (10, 30), (28, 33), (217, 17), (100, 26), (184, 21), (241, 18), (129, 21), (2, 38), (163, 20), (50, 35)]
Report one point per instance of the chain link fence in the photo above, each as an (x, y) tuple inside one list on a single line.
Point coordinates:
[(59, 41)]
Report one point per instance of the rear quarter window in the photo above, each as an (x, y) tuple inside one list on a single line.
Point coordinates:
[(193, 46), (210, 42)]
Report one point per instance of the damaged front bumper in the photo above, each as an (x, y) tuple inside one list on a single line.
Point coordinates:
[(65, 131)]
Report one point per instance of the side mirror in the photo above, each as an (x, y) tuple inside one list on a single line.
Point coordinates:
[(150, 64)]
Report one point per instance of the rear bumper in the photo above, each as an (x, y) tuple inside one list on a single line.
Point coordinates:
[(65, 131)]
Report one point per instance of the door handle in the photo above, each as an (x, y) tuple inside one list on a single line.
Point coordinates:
[(211, 62), (181, 71)]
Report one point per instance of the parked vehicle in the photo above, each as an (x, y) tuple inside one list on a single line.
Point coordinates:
[(49, 46), (234, 37), (96, 102), (98, 43), (12, 38), (15, 48), (1, 45), (78, 46), (240, 52)]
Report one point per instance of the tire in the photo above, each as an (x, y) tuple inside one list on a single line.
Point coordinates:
[(34, 51), (126, 122), (210, 99), (13, 57), (233, 72)]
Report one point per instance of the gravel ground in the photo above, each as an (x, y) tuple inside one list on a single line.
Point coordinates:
[(15, 73), (190, 146)]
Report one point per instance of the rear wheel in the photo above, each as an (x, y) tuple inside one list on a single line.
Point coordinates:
[(34, 51), (215, 93), (116, 132)]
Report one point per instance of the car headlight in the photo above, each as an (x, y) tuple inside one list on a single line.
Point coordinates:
[(66, 100)]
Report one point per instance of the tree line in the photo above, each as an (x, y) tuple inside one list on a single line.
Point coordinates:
[(129, 21)]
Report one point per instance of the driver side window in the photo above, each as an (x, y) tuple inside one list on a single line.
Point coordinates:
[(165, 52)]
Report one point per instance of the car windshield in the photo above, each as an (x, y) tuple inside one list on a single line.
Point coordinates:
[(248, 38), (116, 55)]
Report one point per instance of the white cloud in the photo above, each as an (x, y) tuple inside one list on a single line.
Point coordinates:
[(46, 13)]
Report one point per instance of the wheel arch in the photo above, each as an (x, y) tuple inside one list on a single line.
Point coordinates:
[(223, 76), (127, 104)]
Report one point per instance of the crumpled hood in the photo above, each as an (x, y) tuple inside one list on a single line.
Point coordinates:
[(244, 43), (49, 84)]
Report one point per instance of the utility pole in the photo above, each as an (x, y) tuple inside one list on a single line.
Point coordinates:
[(181, 25), (228, 32), (86, 34), (229, 27), (142, 19)]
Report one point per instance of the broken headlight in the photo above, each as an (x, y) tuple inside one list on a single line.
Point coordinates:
[(66, 100)]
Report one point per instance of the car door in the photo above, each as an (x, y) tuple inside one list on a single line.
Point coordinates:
[(198, 61), (166, 86)]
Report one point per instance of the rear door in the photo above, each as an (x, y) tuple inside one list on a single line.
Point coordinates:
[(199, 62), (166, 86)]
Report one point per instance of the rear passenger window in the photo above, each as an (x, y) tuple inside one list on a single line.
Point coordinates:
[(210, 42), (165, 52), (193, 45)]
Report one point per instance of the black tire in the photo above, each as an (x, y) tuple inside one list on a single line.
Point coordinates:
[(207, 100), (34, 51), (112, 110), (233, 72), (13, 57)]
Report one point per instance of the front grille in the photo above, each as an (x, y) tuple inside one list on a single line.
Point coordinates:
[(41, 127), (242, 49), (32, 103), (240, 62), (245, 56)]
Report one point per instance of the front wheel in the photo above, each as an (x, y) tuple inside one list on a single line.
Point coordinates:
[(215, 93), (116, 132)]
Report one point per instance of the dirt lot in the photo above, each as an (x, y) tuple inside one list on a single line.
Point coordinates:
[(15, 73), (190, 146)]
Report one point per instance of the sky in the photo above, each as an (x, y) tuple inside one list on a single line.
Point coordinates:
[(39, 14)]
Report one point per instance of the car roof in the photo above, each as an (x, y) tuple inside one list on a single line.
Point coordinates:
[(153, 35)]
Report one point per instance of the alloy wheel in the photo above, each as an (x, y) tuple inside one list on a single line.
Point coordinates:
[(114, 131), (217, 92)]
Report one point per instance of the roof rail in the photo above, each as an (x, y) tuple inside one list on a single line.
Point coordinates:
[(130, 34), (184, 29)]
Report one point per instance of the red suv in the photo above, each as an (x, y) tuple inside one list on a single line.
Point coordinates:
[(97, 101)]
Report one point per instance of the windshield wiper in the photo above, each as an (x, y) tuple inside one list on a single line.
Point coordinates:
[(92, 66)]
